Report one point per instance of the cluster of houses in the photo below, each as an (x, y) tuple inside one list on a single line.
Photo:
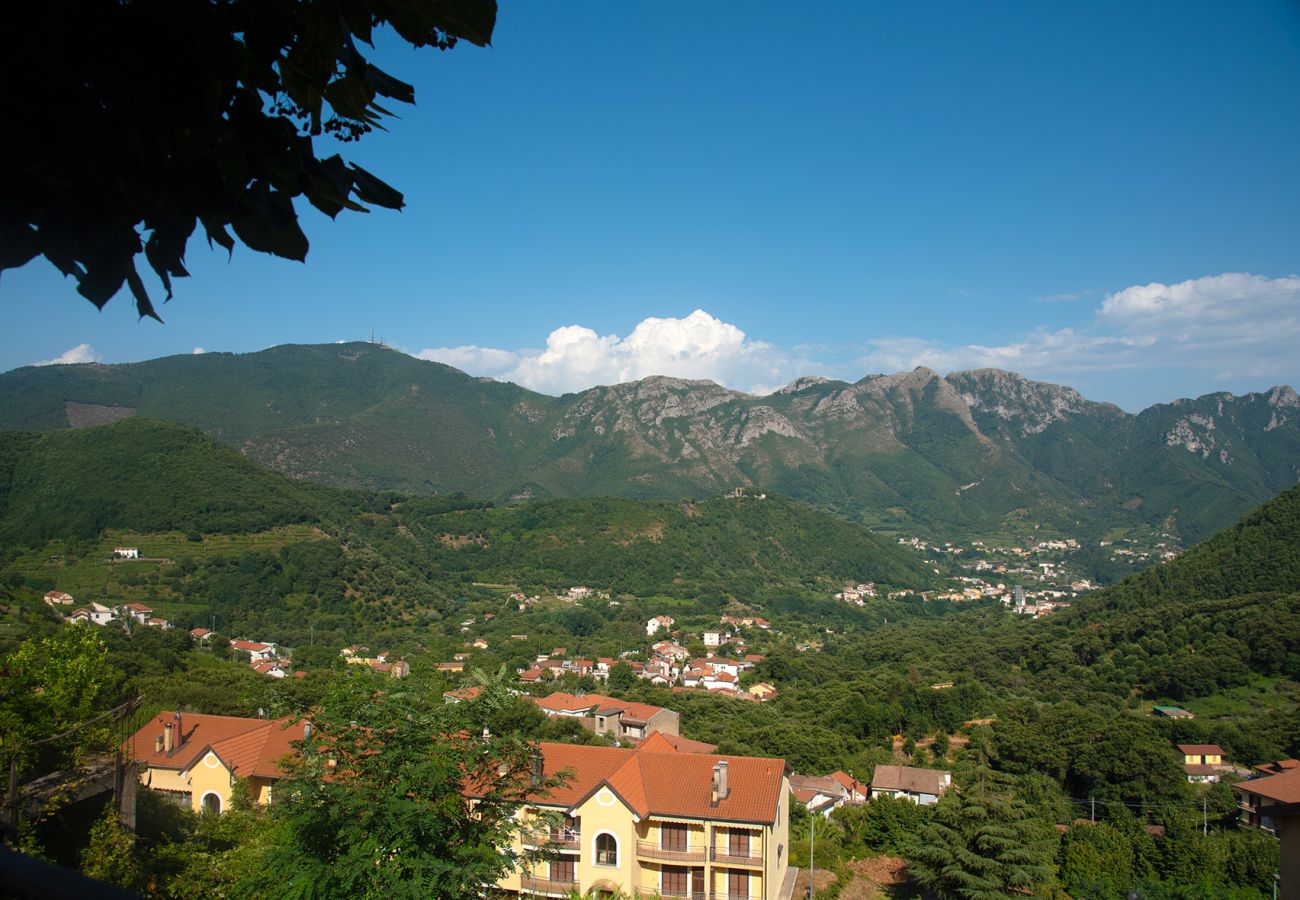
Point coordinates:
[(382, 662), (265, 659), (822, 794), (858, 593), (99, 614)]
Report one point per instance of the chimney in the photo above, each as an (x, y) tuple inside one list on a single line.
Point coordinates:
[(158, 744), (167, 737), (179, 732), (720, 788), (306, 730)]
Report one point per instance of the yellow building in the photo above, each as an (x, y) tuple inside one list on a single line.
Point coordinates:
[(195, 759), (1201, 754), (653, 821)]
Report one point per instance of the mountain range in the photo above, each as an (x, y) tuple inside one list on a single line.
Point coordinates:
[(983, 452)]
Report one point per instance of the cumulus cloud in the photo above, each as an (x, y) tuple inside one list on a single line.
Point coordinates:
[(1232, 325), (697, 346), (199, 350), (82, 353)]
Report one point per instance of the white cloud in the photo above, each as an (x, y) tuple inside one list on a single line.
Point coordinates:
[(697, 346), (198, 350), (475, 360), (82, 353), (1230, 326)]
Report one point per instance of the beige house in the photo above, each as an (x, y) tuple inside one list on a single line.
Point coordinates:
[(653, 822), (619, 719), (1202, 762), (195, 759)]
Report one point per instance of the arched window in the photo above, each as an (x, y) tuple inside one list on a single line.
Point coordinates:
[(211, 803), (606, 850)]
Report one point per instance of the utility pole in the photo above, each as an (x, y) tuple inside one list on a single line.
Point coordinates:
[(812, 845), (1093, 801), (1205, 818)]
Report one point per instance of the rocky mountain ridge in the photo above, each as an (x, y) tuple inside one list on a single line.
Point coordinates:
[(983, 451)]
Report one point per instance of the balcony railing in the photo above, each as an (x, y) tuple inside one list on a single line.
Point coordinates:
[(727, 857), (547, 886), (555, 839), (651, 850), (669, 894)]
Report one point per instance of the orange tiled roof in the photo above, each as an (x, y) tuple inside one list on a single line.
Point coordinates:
[(247, 746), (849, 782), (666, 784), (672, 743)]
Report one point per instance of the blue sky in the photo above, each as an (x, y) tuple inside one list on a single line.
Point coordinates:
[(1099, 194)]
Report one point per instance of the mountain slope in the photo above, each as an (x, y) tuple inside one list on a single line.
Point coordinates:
[(982, 452), (140, 475)]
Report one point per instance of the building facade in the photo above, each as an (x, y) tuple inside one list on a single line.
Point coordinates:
[(655, 822), (196, 759)]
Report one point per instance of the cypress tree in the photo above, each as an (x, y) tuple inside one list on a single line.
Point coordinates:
[(983, 841)]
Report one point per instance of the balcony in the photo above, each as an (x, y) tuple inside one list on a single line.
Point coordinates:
[(547, 886), (651, 850), (668, 894), (725, 857), (555, 839)]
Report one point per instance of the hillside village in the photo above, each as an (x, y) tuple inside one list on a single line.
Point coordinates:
[(842, 692)]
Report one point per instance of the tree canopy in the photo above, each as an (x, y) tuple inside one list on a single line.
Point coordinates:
[(132, 123)]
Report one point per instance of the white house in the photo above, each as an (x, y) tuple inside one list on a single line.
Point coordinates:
[(924, 786), (653, 625), (126, 552)]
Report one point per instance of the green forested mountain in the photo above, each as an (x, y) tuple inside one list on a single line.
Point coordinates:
[(975, 453), (140, 475), (230, 539)]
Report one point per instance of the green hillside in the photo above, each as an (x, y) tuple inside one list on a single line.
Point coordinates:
[(139, 475), (262, 553), (1261, 553)]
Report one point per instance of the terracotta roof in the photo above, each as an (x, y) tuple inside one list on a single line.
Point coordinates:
[(559, 701), (251, 646), (1278, 767), (676, 743), (850, 783), (1199, 769), (907, 778), (247, 746), (468, 693), (828, 786), (666, 784), (1284, 788), (1201, 750)]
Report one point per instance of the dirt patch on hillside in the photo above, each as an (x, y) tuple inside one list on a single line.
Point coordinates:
[(88, 415), (823, 879), (881, 869), (461, 541)]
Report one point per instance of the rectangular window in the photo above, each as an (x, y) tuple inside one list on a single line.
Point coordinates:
[(737, 886), (562, 870), (674, 880), (738, 842), (672, 837)]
